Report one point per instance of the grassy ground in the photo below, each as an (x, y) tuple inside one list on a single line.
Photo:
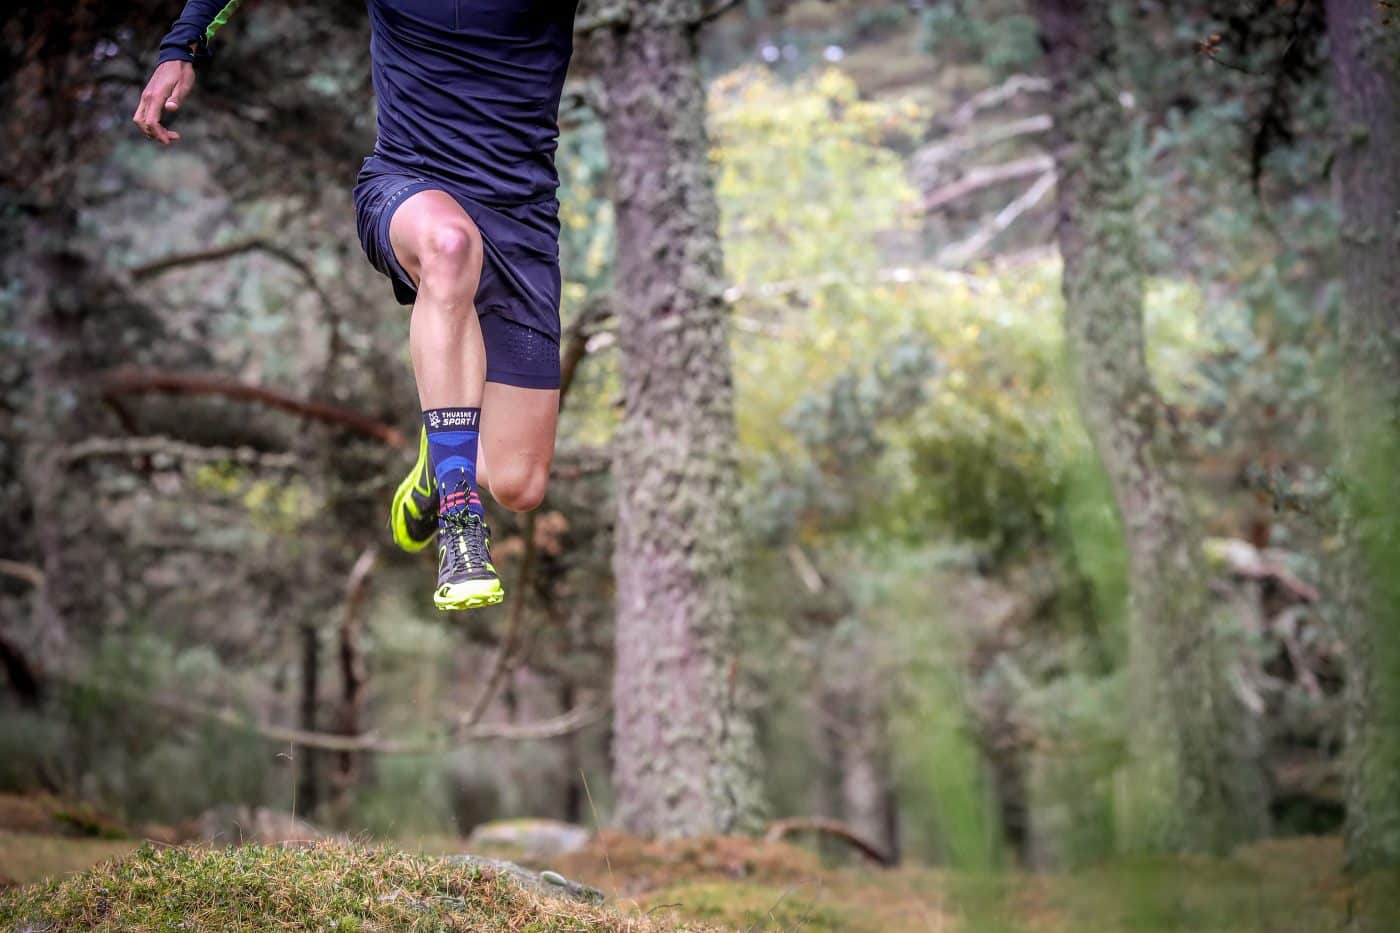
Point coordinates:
[(1279, 886), (323, 887), (1275, 887)]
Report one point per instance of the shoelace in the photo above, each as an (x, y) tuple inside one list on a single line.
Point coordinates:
[(466, 550)]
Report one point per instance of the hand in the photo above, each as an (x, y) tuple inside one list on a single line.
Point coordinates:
[(170, 84)]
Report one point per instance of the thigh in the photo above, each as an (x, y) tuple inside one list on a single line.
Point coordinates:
[(517, 432), (428, 222)]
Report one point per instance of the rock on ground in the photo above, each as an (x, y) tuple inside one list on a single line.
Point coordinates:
[(544, 883), (530, 838)]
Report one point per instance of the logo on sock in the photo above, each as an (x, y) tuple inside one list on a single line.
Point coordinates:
[(460, 417), (434, 420)]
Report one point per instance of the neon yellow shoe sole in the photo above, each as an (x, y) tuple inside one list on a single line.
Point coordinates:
[(473, 594), (412, 514)]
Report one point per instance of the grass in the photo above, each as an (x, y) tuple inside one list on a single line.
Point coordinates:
[(30, 857), (1280, 886), (324, 887)]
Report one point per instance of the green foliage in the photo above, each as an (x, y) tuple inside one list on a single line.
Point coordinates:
[(1001, 34), (105, 741)]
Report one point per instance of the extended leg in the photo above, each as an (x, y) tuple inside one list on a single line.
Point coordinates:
[(440, 249), (439, 246)]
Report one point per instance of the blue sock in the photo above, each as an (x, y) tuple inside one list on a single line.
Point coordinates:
[(452, 443)]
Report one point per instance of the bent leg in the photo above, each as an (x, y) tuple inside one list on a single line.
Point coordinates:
[(517, 443), (439, 247)]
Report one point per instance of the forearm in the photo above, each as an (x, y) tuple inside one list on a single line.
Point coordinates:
[(189, 38)]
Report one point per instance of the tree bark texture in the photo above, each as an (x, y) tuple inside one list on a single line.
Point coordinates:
[(684, 751), (1365, 73), (1185, 792)]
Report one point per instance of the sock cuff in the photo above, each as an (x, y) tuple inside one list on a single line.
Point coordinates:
[(452, 419)]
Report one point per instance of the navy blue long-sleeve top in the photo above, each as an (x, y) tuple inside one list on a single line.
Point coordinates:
[(468, 90)]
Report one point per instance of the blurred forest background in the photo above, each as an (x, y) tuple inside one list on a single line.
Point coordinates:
[(1057, 523)]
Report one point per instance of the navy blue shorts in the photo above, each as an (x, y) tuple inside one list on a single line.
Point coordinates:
[(518, 298)]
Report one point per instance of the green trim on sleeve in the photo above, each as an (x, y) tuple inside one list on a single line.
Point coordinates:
[(221, 19)]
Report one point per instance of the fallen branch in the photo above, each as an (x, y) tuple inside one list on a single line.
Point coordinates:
[(780, 829), (1243, 559), (986, 176), (141, 382), (458, 734), (352, 667), (995, 97), (930, 157), (966, 250), (27, 572)]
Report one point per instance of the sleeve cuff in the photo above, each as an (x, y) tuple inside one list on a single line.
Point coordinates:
[(175, 55)]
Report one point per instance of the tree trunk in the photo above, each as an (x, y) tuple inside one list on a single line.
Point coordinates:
[(306, 760), (1365, 72), (1184, 793), (853, 698), (684, 750)]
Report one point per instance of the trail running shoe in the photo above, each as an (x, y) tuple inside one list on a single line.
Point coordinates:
[(413, 517), (466, 578)]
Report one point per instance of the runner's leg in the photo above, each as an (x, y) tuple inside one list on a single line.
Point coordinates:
[(439, 247), (517, 440)]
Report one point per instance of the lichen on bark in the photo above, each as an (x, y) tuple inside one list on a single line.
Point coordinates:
[(684, 750), (1365, 73)]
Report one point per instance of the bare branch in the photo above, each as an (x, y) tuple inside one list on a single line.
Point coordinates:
[(807, 571), (927, 160), (507, 653), (816, 824), (995, 97), (139, 382), (964, 251), (986, 176), (552, 728), (715, 12), (27, 572), (165, 264)]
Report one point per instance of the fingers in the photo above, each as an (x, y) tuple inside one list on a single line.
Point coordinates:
[(148, 111), (168, 87), (181, 90)]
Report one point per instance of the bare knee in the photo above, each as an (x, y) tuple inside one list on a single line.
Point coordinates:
[(450, 256), (519, 488)]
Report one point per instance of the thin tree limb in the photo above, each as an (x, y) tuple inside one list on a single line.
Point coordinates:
[(964, 251), (139, 382), (554, 727), (29, 573), (986, 176), (835, 828), (995, 96), (930, 157), (352, 668)]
